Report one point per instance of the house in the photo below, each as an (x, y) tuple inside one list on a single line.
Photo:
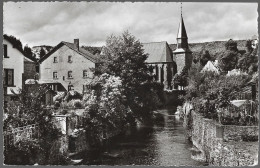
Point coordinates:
[(160, 62), (13, 69), (211, 66), (67, 67)]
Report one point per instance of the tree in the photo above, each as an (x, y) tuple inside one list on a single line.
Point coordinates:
[(205, 57), (124, 57), (228, 60), (42, 52), (28, 51)]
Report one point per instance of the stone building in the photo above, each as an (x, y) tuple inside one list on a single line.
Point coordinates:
[(182, 55), (67, 67), (160, 62), (165, 63)]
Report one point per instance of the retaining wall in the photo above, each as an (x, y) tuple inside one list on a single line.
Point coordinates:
[(222, 145)]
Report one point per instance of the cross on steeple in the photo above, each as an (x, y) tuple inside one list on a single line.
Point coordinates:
[(181, 8)]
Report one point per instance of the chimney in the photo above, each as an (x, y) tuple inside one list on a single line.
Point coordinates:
[(76, 44)]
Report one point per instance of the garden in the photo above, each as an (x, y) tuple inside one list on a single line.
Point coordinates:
[(230, 100)]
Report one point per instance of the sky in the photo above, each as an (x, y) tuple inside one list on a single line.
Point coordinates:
[(49, 23)]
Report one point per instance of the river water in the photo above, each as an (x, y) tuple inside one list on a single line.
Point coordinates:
[(163, 144)]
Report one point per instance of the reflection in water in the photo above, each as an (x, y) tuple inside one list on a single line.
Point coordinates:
[(163, 144)]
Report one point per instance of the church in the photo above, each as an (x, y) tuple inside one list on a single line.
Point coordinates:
[(165, 63)]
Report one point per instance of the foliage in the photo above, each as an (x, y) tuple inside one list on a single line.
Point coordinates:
[(210, 91), (72, 95), (28, 51), (124, 57), (105, 110), (42, 52), (22, 152), (31, 111), (205, 57), (93, 50), (249, 61), (74, 103)]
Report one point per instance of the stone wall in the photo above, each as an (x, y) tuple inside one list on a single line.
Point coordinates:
[(222, 145)]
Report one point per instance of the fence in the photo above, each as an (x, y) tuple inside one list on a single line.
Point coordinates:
[(27, 132)]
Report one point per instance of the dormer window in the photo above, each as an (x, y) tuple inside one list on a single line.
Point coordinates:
[(70, 74), (69, 58), (55, 59), (5, 51), (85, 74)]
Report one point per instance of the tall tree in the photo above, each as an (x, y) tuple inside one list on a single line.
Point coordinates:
[(205, 57), (228, 60), (125, 57), (28, 51), (42, 52)]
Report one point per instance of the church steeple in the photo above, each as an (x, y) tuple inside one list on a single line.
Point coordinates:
[(182, 38), (182, 55)]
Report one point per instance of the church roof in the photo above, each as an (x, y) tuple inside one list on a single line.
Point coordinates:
[(157, 52), (81, 51)]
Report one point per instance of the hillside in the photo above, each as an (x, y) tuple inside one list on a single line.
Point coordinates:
[(215, 48), (36, 50)]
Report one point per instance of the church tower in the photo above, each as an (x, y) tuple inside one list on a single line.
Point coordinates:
[(182, 54)]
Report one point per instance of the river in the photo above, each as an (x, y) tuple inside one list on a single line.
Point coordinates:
[(163, 144)]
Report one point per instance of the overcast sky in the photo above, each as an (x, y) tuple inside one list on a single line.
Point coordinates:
[(48, 23)]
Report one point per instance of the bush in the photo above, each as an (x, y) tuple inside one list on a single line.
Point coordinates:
[(56, 104)]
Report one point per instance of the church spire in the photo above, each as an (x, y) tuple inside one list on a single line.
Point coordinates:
[(182, 38)]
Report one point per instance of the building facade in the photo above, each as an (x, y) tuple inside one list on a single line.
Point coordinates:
[(165, 63), (13, 69), (160, 62), (182, 54), (67, 67)]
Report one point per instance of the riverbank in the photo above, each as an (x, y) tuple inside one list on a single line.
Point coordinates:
[(222, 145), (161, 144)]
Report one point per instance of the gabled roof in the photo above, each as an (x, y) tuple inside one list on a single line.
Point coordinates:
[(158, 52), (81, 51), (26, 58), (210, 67)]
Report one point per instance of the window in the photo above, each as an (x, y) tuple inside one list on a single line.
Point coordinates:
[(55, 75), (70, 74), (85, 74), (8, 77), (5, 51), (70, 58), (70, 87), (55, 59)]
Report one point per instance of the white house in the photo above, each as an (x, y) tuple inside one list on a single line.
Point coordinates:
[(67, 67), (13, 69), (210, 66)]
